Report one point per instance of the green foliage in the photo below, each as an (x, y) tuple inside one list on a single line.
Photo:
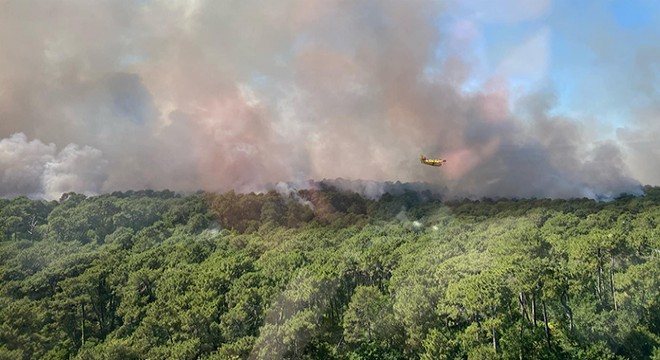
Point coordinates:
[(369, 317), (326, 274)]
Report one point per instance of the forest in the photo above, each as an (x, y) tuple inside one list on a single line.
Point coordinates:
[(329, 274)]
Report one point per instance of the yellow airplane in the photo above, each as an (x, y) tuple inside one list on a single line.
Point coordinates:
[(431, 162)]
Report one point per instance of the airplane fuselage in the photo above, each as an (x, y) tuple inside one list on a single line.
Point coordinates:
[(432, 162)]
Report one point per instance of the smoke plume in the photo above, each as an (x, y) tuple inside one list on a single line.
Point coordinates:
[(38, 170), (220, 95)]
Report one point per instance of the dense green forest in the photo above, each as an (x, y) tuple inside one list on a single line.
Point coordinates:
[(326, 274)]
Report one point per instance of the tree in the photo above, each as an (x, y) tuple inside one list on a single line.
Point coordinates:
[(369, 317)]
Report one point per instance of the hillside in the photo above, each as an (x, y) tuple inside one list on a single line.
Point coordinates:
[(327, 274)]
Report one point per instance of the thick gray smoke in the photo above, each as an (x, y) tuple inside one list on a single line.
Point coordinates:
[(221, 95)]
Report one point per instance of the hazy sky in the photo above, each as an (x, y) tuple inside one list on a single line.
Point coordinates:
[(522, 97)]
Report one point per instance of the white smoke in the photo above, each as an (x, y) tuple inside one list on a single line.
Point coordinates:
[(219, 95), (38, 170)]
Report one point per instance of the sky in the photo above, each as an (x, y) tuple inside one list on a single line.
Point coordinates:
[(524, 98)]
